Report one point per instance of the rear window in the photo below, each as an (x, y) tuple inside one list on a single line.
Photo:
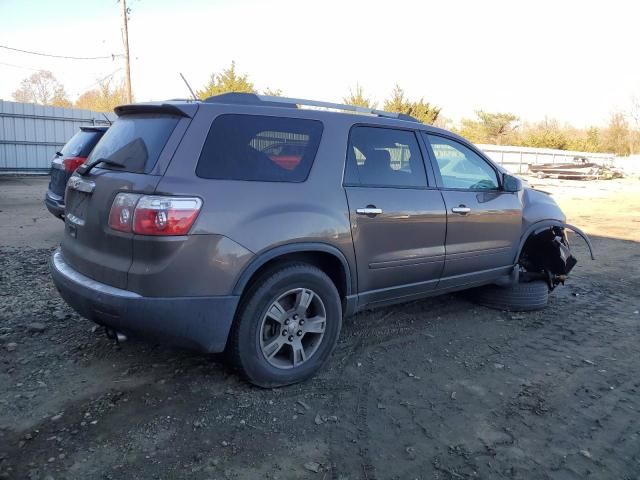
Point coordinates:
[(81, 144), (259, 148), (135, 141)]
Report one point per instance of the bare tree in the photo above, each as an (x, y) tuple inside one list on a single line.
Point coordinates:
[(42, 88)]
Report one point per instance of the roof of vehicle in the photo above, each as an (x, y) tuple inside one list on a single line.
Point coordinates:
[(187, 107)]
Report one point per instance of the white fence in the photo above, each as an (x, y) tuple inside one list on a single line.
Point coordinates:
[(31, 134)]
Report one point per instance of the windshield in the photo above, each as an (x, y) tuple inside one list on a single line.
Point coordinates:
[(135, 141), (81, 144)]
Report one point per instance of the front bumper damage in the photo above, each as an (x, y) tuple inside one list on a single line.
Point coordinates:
[(546, 253)]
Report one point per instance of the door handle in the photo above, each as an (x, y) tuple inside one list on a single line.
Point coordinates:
[(370, 211), (462, 210)]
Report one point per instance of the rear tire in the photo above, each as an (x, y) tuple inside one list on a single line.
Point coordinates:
[(520, 297), (287, 326)]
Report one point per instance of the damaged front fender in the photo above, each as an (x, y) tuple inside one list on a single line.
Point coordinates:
[(542, 225), (544, 251)]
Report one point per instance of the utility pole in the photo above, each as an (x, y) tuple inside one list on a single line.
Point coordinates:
[(125, 40)]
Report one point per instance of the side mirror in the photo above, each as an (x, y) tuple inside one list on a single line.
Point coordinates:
[(511, 183)]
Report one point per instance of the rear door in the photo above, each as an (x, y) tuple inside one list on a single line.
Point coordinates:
[(484, 222), (398, 219), (144, 143)]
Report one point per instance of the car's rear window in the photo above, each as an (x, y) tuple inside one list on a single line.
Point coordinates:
[(81, 144), (259, 148), (135, 140)]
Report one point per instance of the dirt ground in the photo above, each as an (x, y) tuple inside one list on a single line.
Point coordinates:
[(434, 389)]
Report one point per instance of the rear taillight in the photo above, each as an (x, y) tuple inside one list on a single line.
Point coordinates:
[(70, 164), (153, 215), (122, 210)]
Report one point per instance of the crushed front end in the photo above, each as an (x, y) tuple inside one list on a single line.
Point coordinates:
[(546, 255)]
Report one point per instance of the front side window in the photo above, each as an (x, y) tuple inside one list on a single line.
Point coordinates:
[(259, 148), (460, 167), (384, 157)]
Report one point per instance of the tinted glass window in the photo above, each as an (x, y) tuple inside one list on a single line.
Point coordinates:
[(384, 157), (461, 167), (259, 148), (81, 144), (135, 141)]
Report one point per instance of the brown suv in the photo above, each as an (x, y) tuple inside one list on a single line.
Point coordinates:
[(249, 225)]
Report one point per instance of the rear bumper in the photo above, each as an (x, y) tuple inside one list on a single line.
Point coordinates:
[(54, 203), (202, 323)]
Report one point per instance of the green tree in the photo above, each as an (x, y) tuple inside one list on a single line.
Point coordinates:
[(494, 128), (584, 140), (43, 88), (104, 98), (356, 97), (227, 81), (272, 92), (545, 134), (421, 110)]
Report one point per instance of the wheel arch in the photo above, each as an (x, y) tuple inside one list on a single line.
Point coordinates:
[(545, 224), (324, 256)]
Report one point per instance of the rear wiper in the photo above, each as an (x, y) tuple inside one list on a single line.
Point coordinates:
[(87, 167)]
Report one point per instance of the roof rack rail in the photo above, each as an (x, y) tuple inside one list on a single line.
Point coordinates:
[(267, 100)]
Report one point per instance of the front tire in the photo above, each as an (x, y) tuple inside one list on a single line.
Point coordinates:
[(287, 326), (520, 297)]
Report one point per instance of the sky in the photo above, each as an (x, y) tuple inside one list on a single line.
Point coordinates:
[(575, 61)]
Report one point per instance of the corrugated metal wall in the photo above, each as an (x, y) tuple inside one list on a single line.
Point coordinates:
[(30, 134)]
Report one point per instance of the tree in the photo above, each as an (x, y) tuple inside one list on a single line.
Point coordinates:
[(272, 92), (634, 116), (494, 128), (545, 134), (617, 136), (357, 98), (104, 98), (42, 88), (227, 81), (421, 110), (584, 140)]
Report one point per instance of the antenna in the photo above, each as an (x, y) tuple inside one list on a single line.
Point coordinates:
[(188, 86), (105, 116)]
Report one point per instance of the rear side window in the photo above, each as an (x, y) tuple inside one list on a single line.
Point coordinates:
[(135, 141), (259, 148), (384, 157), (81, 144)]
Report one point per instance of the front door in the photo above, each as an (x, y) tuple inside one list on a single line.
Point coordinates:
[(484, 223), (398, 219)]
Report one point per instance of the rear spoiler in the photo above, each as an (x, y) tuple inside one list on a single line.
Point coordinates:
[(94, 128), (184, 110)]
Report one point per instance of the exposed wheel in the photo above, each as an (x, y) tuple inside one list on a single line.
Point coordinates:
[(287, 326), (519, 297)]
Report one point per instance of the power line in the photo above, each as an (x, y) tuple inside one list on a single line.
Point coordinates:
[(102, 79), (112, 56), (20, 66)]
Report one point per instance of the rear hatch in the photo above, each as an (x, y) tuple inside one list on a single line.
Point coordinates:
[(75, 152), (142, 140)]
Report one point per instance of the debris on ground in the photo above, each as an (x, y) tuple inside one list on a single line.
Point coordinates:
[(579, 169), (313, 466)]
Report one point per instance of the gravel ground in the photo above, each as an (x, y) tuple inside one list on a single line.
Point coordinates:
[(438, 388)]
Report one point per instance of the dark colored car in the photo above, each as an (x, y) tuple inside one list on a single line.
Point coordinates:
[(247, 225), (66, 161)]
